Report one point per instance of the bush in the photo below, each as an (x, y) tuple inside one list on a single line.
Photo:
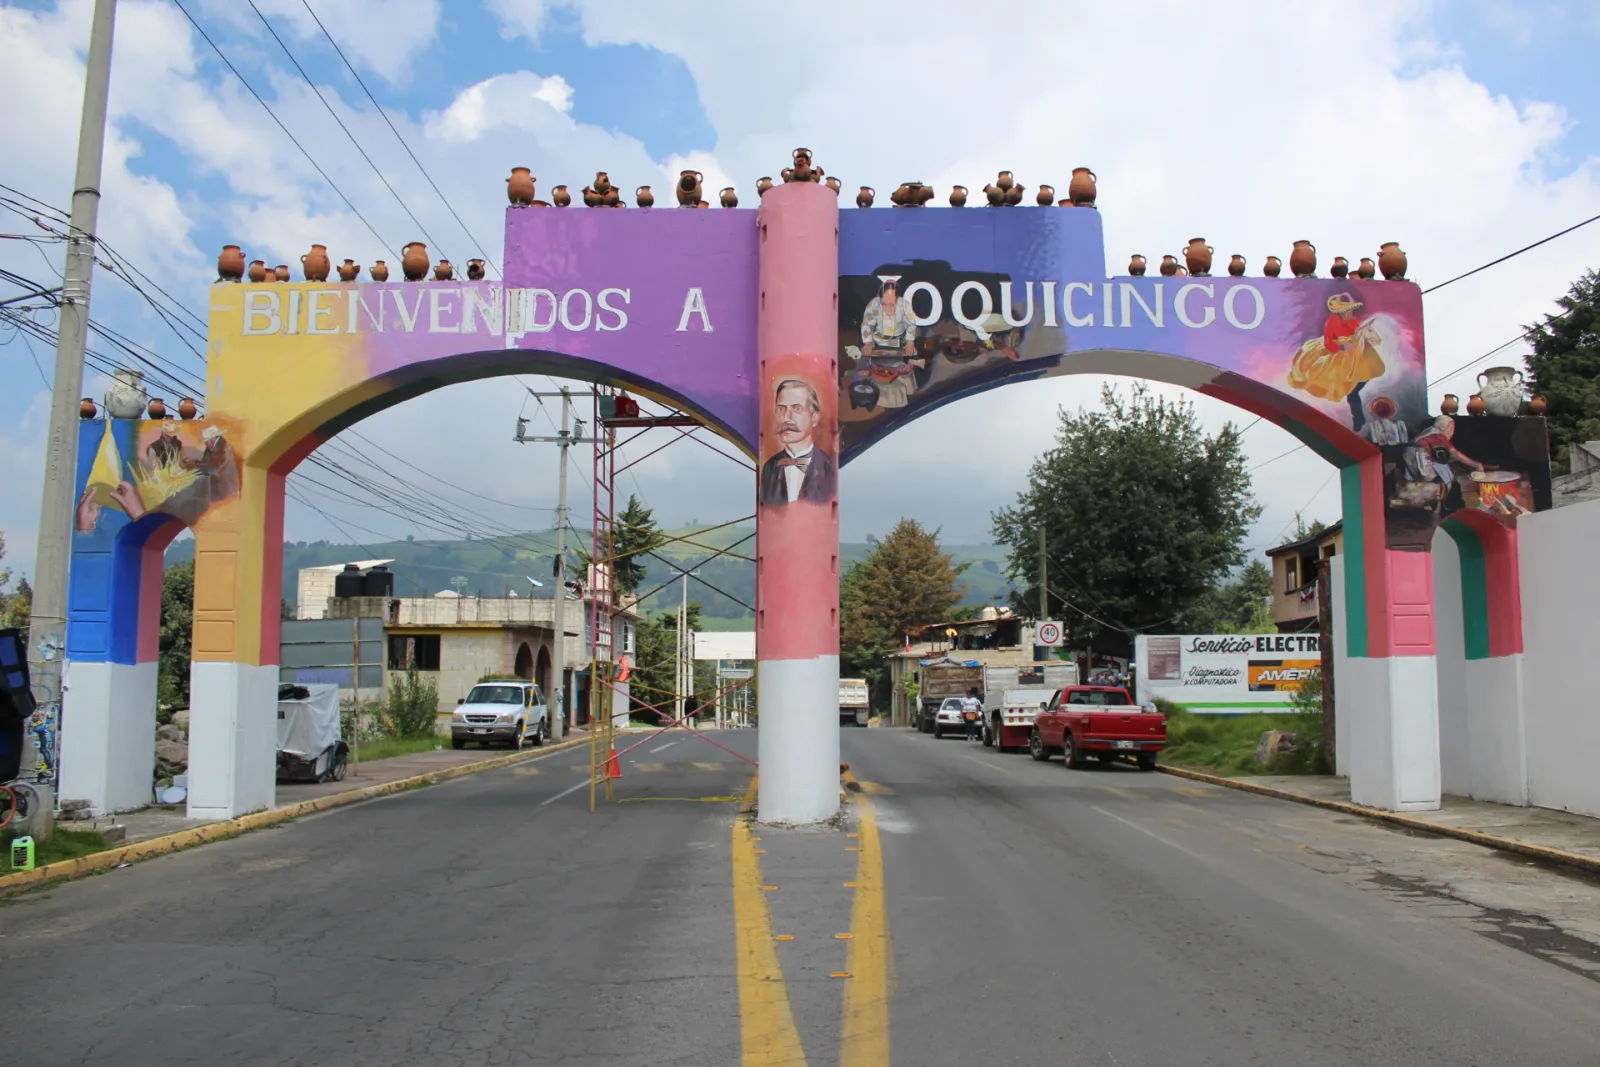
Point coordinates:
[(413, 706)]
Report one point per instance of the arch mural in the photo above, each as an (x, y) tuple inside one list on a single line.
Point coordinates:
[(802, 333)]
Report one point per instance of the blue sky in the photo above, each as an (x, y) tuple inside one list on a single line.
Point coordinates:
[(1465, 129)]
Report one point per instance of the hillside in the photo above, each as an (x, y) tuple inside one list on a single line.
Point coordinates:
[(502, 565)]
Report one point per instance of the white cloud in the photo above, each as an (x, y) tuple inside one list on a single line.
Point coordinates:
[(385, 40)]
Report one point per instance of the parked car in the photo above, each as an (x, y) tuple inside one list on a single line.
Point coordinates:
[(511, 713), (1099, 722), (947, 717)]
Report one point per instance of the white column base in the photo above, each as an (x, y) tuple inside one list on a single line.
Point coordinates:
[(108, 735), (1497, 755), (233, 739), (799, 740), (1390, 709)]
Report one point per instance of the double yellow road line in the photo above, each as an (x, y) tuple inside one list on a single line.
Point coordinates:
[(768, 1034)]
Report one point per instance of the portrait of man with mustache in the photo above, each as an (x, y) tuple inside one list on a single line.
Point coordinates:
[(802, 470)]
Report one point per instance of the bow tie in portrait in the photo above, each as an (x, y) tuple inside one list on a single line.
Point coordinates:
[(795, 461)]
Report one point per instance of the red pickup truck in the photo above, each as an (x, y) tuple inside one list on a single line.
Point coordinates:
[(1100, 722)]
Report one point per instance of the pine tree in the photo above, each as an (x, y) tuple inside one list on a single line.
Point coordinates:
[(636, 535), (1565, 367)]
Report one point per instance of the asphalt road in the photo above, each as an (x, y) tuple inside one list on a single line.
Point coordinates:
[(972, 908)]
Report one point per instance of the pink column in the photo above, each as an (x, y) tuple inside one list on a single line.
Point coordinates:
[(797, 510)]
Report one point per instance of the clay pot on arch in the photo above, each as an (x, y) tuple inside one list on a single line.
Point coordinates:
[(349, 271), (835, 184), (230, 264), (1169, 266), (414, 261), (258, 270), (1537, 404), (1475, 405), (475, 270), (1236, 266), (1367, 270), (520, 188), (315, 264), (1273, 267), (1198, 257), (444, 271), (561, 197), (187, 409), (86, 409), (1340, 268), (1450, 404), (728, 197), (958, 196), (1303, 260), (765, 183), (644, 197), (281, 272), (379, 271), (865, 196), (1082, 189), (157, 408), (1046, 197), (1392, 262), (1136, 266)]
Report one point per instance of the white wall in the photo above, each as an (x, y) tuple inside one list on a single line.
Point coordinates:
[(1454, 756), (1560, 589)]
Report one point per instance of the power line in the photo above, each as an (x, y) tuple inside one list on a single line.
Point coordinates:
[(318, 93), (385, 116), (273, 115), (1512, 255)]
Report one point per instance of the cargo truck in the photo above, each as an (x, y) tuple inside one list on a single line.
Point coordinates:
[(943, 678), (854, 704), (1014, 695)]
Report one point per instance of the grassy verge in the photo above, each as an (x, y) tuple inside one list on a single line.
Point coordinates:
[(63, 845), (1226, 744), (385, 747)]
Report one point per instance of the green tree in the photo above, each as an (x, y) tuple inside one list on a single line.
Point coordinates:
[(905, 581), (1565, 366), (1238, 607), (19, 605), (1142, 512), (636, 534), (177, 624), (655, 667)]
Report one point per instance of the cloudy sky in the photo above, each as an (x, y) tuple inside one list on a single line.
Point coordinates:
[(1463, 130)]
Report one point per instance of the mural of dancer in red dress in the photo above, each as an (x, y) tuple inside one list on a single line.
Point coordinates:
[(1336, 365)]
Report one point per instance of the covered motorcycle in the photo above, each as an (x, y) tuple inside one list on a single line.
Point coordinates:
[(310, 745)]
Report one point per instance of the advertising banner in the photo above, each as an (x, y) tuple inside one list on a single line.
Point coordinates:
[(1226, 674)]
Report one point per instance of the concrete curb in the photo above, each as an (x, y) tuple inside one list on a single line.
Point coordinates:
[(67, 870), (1575, 860)]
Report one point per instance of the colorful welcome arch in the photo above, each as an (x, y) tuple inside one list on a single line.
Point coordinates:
[(802, 333)]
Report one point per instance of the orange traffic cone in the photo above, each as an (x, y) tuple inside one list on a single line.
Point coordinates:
[(613, 768)]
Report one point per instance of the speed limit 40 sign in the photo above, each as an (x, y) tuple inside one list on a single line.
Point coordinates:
[(1049, 634)]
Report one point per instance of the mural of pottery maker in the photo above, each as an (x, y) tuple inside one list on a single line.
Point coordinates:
[(1499, 466), (899, 333)]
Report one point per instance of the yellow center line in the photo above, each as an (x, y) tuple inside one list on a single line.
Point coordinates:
[(864, 1040), (767, 1031)]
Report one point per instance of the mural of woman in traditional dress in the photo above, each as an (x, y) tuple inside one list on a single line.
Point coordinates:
[(1336, 365)]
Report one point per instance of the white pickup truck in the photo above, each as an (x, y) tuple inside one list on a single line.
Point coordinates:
[(1014, 695)]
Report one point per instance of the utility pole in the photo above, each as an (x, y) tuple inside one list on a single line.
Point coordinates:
[(47, 622), (1044, 578), (565, 440)]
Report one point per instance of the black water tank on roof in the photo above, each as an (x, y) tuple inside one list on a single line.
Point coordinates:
[(379, 581), (349, 582)]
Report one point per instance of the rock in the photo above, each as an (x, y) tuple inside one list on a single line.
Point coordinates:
[(180, 719), (74, 805), (172, 757), (1274, 743), (169, 732)]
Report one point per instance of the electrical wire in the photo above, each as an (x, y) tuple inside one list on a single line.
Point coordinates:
[(318, 93), (385, 116), (1511, 255), (273, 115)]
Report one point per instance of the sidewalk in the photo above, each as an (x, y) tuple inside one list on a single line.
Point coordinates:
[(158, 820), (1556, 836)]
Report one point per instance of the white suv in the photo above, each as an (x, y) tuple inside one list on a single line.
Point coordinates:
[(500, 712)]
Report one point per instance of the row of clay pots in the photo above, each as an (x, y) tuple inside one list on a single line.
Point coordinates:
[(157, 409), (1004, 191), (1197, 260), (316, 267), (1537, 404), (522, 190)]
